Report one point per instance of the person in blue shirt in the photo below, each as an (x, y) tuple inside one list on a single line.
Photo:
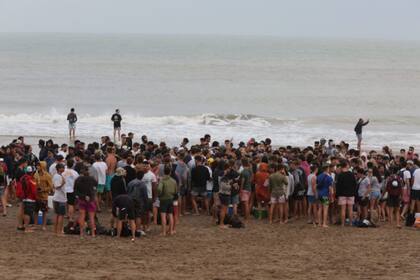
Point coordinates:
[(324, 185)]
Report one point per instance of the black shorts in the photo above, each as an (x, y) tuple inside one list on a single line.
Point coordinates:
[(415, 194), (149, 206), (124, 214), (71, 198), (117, 125), (363, 201), (59, 208), (41, 205), (28, 208), (224, 199), (166, 206), (139, 209), (393, 201)]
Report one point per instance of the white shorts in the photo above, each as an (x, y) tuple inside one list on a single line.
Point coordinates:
[(278, 199)]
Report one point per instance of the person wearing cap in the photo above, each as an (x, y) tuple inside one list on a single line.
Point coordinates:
[(84, 190), (29, 196), (116, 119), (59, 199)]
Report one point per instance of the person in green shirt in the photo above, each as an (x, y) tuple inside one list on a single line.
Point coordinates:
[(277, 186), (167, 191), (245, 182)]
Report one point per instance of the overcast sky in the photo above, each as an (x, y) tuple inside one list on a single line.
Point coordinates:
[(397, 19)]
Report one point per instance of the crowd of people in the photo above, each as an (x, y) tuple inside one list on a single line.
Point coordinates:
[(145, 183)]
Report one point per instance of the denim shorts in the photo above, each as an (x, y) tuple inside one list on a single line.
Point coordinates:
[(234, 199)]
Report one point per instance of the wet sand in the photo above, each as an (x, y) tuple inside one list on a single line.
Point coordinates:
[(202, 251)]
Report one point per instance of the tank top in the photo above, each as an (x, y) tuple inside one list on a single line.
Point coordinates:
[(310, 191)]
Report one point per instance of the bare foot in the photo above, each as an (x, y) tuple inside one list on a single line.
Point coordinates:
[(325, 226), (223, 227)]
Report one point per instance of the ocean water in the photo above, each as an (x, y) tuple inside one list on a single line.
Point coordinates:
[(294, 91)]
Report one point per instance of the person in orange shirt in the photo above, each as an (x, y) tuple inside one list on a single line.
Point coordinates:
[(261, 184)]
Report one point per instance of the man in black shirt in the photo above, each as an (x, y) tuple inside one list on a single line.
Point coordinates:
[(72, 119), (346, 186), (116, 118), (199, 177)]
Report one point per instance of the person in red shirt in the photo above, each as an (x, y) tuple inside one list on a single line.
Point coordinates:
[(29, 193)]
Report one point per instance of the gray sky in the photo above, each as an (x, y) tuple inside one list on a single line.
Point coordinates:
[(398, 19)]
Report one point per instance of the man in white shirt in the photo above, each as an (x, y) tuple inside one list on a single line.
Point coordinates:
[(70, 175), (53, 170), (415, 191), (100, 169), (150, 180), (59, 199)]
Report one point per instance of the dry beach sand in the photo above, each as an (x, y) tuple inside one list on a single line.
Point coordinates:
[(202, 251)]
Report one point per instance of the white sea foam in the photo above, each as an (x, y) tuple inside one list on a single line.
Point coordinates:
[(173, 128)]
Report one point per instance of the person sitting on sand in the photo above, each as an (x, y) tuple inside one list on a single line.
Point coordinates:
[(167, 192)]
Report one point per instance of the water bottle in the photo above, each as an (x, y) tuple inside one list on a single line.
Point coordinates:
[(230, 210), (40, 214)]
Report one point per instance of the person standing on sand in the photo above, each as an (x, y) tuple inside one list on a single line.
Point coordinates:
[(167, 191), (116, 118), (324, 188), (72, 119), (59, 199), (84, 190), (44, 187), (358, 129)]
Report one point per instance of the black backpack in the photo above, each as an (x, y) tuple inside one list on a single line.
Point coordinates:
[(409, 221)]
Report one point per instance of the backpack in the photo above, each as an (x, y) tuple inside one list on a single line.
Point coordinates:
[(225, 186), (409, 221), (236, 222), (395, 182)]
